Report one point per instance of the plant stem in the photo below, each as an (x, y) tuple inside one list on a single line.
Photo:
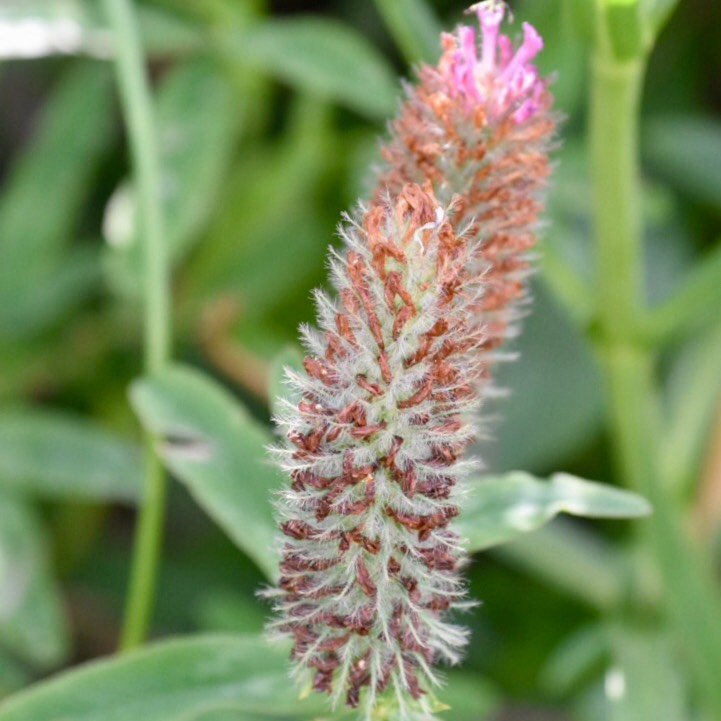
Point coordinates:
[(689, 590), (137, 108), (615, 104)]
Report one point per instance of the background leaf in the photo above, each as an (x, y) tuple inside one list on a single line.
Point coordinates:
[(218, 451), (170, 681), (47, 187), (198, 123), (42, 28), (57, 455), (683, 151), (554, 401), (32, 622), (496, 509), (325, 58), (643, 682), (414, 27)]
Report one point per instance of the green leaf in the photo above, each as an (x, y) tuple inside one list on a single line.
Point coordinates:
[(497, 509), (75, 278), (414, 26), (198, 125), (32, 623), (555, 403), (48, 186), (217, 450), (693, 393), (173, 680), (469, 696), (231, 613), (12, 675), (644, 681), (683, 150), (574, 658), (323, 57), (271, 207), (57, 455), (569, 558)]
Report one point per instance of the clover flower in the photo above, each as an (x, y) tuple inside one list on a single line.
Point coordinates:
[(428, 285), (479, 126), (375, 444)]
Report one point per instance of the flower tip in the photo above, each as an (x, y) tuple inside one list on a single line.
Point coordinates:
[(490, 13), (532, 40)]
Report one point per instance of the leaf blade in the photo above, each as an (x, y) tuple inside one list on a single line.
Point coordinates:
[(169, 681), (500, 508), (57, 455), (325, 58), (212, 445)]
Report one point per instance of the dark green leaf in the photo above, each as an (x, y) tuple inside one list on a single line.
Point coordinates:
[(48, 186), (57, 455), (218, 451), (270, 219)]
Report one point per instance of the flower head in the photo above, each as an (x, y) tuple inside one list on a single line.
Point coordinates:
[(479, 126), (370, 567), (429, 283)]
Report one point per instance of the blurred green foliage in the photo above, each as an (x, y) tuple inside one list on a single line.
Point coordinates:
[(268, 116)]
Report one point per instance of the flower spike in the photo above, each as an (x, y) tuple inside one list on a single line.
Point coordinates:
[(479, 125), (429, 283), (387, 401)]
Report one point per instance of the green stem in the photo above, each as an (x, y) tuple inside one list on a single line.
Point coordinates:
[(615, 102), (689, 591), (137, 107)]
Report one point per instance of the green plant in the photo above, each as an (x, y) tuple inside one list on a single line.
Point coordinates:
[(235, 189)]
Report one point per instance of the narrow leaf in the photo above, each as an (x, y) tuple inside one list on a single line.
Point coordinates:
[(209, 441), (56, 455), (414, 26), (32, 623), (323, 57), (50, 181), (684, 151), (198, 125), (497, 509)]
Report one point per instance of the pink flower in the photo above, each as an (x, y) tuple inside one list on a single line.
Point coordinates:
[(501, 81)]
